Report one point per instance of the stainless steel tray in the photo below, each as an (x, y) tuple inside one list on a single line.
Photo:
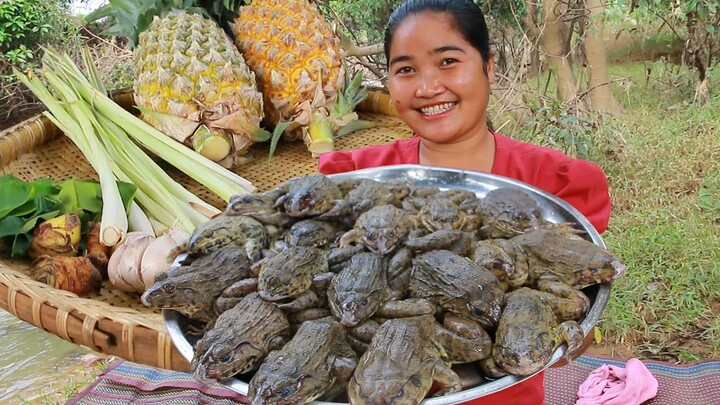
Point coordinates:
[(553, 209)]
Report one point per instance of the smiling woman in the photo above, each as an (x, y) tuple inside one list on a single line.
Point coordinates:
[(439, 75)]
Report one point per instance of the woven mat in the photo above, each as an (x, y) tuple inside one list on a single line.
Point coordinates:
[(696, 383), (126, 382)]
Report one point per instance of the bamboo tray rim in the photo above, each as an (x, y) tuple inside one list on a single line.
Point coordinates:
[(115, 330)]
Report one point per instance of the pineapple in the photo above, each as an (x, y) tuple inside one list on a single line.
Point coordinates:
[(299, 68), (193, 84)]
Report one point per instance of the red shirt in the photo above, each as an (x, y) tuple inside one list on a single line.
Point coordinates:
[(580, 183)]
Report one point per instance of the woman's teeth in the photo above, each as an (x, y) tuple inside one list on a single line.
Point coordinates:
[(437, 109)]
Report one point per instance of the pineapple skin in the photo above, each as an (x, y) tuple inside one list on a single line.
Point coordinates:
[(191, 73), (296, 57)]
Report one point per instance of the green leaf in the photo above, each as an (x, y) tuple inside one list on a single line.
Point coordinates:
[(30, 223), (21, 245), (14, 193), (10, 226)]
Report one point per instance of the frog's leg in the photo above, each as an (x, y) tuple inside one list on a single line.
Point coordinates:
[(442, 373), (490, 369), (340, 255), (571, 333), (399, 262), (307, 300), (463, 340), (308, 315), (254, 250), (343, 362), (470, 222), (321, 281), (234, 294), (567, 303), (348, 238), (438, 240), (339, 209), (406, 308)]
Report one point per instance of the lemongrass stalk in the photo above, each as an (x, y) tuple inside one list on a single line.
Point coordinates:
[(113, 226), (193, 164), (113, 222), (151, 168), (138, 220)]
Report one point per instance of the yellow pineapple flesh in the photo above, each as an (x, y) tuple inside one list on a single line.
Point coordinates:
[(189, 76), (298, 64)]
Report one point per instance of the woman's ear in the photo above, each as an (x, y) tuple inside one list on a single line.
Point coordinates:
[(490, 66)]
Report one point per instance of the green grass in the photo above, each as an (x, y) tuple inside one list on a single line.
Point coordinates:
[(665, 306)]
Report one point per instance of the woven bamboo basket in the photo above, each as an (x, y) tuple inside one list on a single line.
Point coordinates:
[(112, 321)]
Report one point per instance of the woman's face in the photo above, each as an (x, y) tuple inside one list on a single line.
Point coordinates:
[(436, 79)]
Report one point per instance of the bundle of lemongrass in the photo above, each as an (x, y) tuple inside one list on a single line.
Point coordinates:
[(102, 130)]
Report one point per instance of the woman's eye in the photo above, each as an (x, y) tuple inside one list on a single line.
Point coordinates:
[(404, 70), (448, 61)]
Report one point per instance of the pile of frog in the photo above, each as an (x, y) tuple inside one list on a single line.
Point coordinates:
[(372, 291)]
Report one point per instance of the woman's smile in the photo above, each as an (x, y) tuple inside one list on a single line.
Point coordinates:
[(437, 110)]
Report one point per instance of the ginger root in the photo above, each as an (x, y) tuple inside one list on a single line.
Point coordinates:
[(74, 274)]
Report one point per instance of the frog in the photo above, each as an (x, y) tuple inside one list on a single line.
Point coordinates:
[(240, 339), (555, 253), (357, 291), (366, 194), (291, 274), (226, 231), (258, 206), (381, 229), (192, 288), (529, 332), (401, 363), (500, 257), (361, 290), (313, 363), (507, 212), (458, 285), (306, 196), (444, 214), (312, 233)]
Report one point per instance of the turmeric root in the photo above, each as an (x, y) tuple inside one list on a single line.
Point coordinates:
[(98, 253), (57, 236), (74, 274)]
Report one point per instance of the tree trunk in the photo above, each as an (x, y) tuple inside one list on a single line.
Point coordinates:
[(531, 54), (698, 48), (552, 43), (601, 98)]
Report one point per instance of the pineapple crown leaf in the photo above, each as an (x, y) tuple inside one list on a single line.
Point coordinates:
[(353, 93)]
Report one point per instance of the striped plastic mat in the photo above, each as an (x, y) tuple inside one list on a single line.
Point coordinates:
[(124, 382), (696, 383)]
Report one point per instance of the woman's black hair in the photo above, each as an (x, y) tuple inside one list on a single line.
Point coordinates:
[(467, 17)]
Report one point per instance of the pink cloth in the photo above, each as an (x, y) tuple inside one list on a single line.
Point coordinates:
[(612, 385)]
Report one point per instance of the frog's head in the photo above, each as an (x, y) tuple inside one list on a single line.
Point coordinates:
[(487, 311), (603, 267), (249, 203), (295, 389), (223, 360), (404, 389), (523, 358), (353, 308)]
